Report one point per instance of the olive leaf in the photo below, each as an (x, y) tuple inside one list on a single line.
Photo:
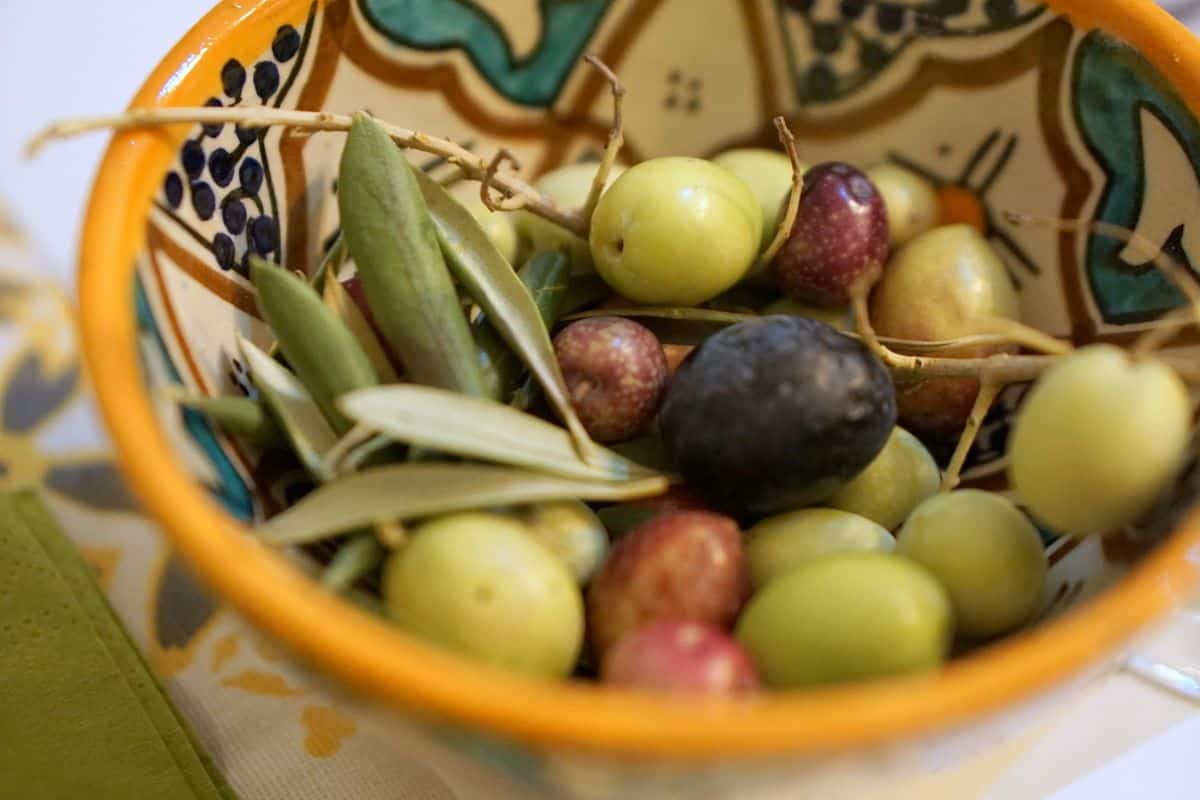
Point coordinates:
[(237, 415), (339, 300), (302, 421), (412, 491), (389, 234), (493, 284), (477, 428), (546, 276), (321, 350)]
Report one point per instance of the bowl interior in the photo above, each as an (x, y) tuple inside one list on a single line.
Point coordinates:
[(1040, 108)]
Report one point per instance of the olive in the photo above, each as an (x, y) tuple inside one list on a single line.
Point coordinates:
[(985, 552), (683, 565), (768, 173), (847, 617), (478, 584), (616, 374), (774, 414), (571, 531), (900, 477), (675, 231), (780, 543), (936, 288), (674, 656), (839, 242), (912, 201)]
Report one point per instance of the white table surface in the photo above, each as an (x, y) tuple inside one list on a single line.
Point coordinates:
[(1123, 739)]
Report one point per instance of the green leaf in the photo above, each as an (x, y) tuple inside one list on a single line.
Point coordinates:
[(474, 428), (237, 415), (490, 280), (412, 491), (340, 302), (390, 236), (302, 421), (319, 347), (545, 276)]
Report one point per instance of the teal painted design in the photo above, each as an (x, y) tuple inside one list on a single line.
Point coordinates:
[(231, 491), (567, 26), (1113, 85)]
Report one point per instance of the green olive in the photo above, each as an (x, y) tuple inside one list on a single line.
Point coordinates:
[(478, 584), (568, 188), (912, 201), (840, 318), (768, 174), (781, 543), (1098, 438), (572, 532), (986, 554), (847, 617), (675, 231), (499, 226), (900, 477)]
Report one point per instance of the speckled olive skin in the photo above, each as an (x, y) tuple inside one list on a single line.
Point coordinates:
[(683, 565), (839, 240), (776, 414), (616, 373)]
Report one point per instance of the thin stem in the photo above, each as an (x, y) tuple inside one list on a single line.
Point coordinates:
[(335, 461), (793, 205), (1017, 333), (473, 166), (1001, 368), (1164, 331), (988, 390), (489, 175), (616, 139)]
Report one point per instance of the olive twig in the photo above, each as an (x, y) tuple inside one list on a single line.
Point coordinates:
[(1167, 329), (1001, 368), (473, 166), (1017, 333), (337, 456), (988, 391), (513, 203), (793, 205), (616, 139)]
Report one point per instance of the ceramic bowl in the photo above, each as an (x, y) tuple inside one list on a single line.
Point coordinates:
[(1072, 108)]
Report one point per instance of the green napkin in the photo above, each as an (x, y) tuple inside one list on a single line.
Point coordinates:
[(81, 715)]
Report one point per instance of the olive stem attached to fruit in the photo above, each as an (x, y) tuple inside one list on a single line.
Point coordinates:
[(616, 139), (1018, 333), (793, 205), (988, 391), (392, 534), (473, 166)]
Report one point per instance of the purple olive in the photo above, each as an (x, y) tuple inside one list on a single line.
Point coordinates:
[(839, 242), (616, 374)]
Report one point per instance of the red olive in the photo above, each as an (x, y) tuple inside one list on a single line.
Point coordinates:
[(670, 655), (683, 565), (616, 373), (839, 242)]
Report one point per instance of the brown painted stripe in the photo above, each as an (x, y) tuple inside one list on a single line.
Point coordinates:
[(211, 279)]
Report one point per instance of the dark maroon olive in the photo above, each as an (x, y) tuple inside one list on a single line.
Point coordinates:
[(839, 241), (616, 374)]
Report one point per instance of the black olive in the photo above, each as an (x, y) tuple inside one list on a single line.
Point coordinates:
[(775, 414)]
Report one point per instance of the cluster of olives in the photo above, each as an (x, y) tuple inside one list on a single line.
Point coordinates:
[(810, 542)]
